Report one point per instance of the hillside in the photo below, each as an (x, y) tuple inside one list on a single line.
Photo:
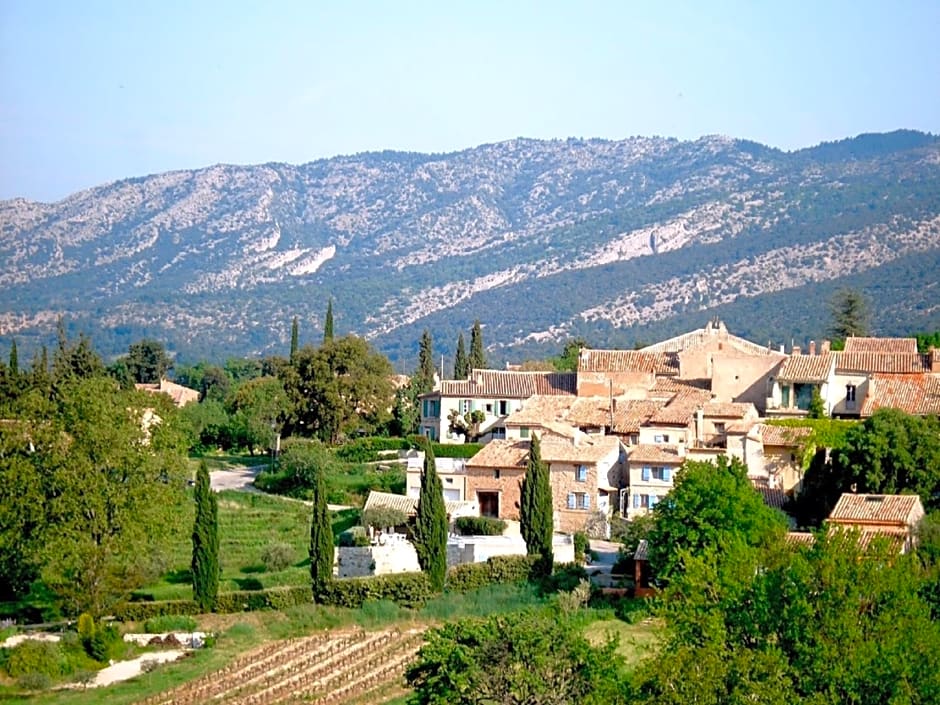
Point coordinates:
[(615, 241)]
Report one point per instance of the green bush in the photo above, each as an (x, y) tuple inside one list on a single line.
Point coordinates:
[(565, 578), (355, 536), (581, 545), (405, 589), (142, 611), (34, 681), (170, 623), (36, 657), (367, 450), (104, 644), (498, 569), (456, 450), (479, 526), (277, 556), (511, 569), (383, 517)]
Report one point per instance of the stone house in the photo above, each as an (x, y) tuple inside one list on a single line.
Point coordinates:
[(892, 516), (652, 470)]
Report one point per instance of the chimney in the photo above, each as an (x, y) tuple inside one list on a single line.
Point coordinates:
[(812, 347), (796, 350), (824, 347), (934, 359)]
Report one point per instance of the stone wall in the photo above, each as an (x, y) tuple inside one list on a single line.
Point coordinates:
[(397, 556)]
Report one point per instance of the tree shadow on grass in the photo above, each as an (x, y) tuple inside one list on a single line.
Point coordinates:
[(248, 584), (179, 577)]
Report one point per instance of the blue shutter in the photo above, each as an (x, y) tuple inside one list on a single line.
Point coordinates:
[(571, 500), (636, 501), (587, 501), (646, 474), (653, 499), (667, 474)]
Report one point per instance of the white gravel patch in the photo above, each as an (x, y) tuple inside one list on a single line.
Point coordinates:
[(125, 670), (17, 639)]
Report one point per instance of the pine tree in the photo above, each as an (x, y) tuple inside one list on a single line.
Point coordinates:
[(205, 564), (431, 523), (461, 364), (535, 510), (328, 323), (424, 375), (294, 331), (321, 539), (477, 355), (849, 311), (14, 360)]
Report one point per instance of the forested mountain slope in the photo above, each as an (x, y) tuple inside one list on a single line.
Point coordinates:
[(615, 241)]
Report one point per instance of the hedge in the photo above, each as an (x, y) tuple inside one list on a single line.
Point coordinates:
[(498, 569), (479, 526), (405, 589), (455, 450)]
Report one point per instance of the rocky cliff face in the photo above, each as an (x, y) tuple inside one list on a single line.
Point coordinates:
[(540, 240)]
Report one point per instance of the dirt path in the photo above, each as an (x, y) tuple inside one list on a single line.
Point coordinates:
[(241, 479)]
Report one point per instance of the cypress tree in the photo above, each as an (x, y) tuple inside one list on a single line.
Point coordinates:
[(431, 523), (14, 361), (205, 564), (328, 323), (535, 510), (321, 539), (461, 364), (477, 355), (293, 338), (425, 374)]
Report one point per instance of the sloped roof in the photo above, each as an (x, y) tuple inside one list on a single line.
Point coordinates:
[(773, 496), (806, 368), (653, 453), (642, 552), (583, 448), (703, 336), (630, 414), (876, 508), (501, 453), (180, 395), (800, 538), (590, 411), (678, 411), (880, 345), (913, 394), (892, 363), (787, 436), (506, 384), (408, 505), (540, 408), (672, 385), (732, 410), (627, 361)]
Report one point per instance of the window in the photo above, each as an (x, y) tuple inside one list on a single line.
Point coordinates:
[(489, 408), (641, 501), (524, 432), (503, 407), (645, 474), (661, 474), (498, 432), (719, 428), (465, 406), (661, 438), (496, 474), (449, 480), (850, 396), (584, 500), (580, 473), (634, 439)]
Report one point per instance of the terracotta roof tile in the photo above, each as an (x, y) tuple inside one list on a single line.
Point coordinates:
[(652, 453), (629, 415), (892, 363), (501, 453), (408, 505), (913, 394), (788, 436), (773, 497), (806, 368), (540, 408), (503, 384), (586, 448), (679, 410), (880, 345), (673, 385), (704, 336), (800, 538), (627, 361), (876, 508), (733, 410)]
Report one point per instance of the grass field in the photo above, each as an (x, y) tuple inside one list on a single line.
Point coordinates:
[(248, 522), (635, 641)]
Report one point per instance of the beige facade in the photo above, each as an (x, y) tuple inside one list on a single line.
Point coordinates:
[(452, 471), (652, 472)]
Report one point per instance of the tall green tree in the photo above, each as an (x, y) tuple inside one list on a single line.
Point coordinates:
[(147, 361), (14, 366), (568, 360), (461, 362), (431, 522), (406, 413), (294, 337), (817, 408), (711, 507), (260, 408), (849, 314), (424, 375), (328, 323), (477, 354), (321, 537), (536, 516), (522, 658), (205, 563)]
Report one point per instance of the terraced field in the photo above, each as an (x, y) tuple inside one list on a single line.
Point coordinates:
[(336, 668)]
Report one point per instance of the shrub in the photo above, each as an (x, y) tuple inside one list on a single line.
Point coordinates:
[(367, 450), (405, 589), (86, 625), (34, 681), (277, 556), (565, 578), (573, 600), (170, 623), (383, 517), (104, 644), (511, 569), (581, 545), (456, 450), (142, 611), (33, 657), (355, 536), (479, 526), (498, 569)]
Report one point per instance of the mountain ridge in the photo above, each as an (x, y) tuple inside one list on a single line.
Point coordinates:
[(614, 233)]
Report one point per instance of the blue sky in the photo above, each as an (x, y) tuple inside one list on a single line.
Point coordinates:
[(95, 91)]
